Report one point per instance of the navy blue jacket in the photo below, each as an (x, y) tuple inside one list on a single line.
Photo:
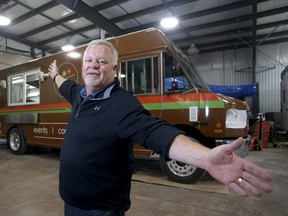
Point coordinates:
[(97, 153)]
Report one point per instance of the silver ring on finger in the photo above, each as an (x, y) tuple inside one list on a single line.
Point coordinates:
[(239, 180)]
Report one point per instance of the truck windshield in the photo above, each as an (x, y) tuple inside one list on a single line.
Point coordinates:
[(189, 68)]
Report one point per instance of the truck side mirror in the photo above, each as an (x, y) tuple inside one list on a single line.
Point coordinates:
[(3, 84), (42, 76)]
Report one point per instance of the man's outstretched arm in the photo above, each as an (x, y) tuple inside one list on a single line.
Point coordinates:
[(240, 175)]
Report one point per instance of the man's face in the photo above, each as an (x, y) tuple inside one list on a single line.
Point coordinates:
[(97, 69)]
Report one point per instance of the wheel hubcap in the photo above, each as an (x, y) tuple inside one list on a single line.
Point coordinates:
[(14, 141), (181, 169)]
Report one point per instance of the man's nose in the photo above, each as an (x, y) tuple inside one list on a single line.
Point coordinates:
[(95, 64)]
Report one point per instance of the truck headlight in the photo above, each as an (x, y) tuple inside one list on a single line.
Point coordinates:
[(236, 118)]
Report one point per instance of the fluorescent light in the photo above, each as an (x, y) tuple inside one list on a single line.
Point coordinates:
[(4, 20), (74, 55), (169, 22), (67, 47)]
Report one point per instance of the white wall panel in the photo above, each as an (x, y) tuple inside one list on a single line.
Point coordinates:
[(225, 68), (273, 58), (233, 67)]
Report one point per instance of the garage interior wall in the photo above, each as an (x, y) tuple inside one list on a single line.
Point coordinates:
[(234, 67), (272, 59)]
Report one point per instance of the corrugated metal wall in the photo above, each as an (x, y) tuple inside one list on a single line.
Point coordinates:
[(233, 67), (225, 68), (271, 61)]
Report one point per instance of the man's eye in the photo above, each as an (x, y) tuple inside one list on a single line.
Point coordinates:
[(101, 62)]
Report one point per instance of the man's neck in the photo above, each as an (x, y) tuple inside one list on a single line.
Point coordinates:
[(90, 90)]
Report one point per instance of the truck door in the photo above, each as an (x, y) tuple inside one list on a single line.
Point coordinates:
[(180, 97), (140, 76)]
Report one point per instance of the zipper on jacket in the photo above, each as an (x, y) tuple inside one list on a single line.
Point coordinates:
[(78, 104)]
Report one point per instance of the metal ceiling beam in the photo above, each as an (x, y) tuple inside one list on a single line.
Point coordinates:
[(67, 19), (230, 47), (109, 4), (186, 16), (150, 10), (33, 12), (232, 21), (92, 15), (22, 18), (214, 10), (40, 10), (247, 39), (102, 7), (236, 31), (197, 27), (63, 36), (71, 17), (198, 14), (20, 40), (50, 25)]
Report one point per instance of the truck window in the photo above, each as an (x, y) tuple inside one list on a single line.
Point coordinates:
[(140, 76), (189, 68), (174, 78), (24, 88), (123, 76)]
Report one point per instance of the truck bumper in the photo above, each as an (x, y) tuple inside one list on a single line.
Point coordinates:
[(243, 151)]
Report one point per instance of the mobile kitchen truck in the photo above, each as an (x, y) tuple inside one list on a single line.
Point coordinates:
[(161, 76)]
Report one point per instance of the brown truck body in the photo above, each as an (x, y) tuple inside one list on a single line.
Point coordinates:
[(32, 112)]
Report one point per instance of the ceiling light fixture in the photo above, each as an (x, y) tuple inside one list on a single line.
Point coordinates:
[(169, 22), (192, 49), (4, 20), (67, 46), (74, 55)]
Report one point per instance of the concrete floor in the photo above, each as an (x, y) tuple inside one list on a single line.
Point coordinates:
[(29, 187)]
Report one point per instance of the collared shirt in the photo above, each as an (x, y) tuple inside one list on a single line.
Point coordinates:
[(94, 95)]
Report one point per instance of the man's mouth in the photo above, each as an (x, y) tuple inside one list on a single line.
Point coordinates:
[(93, 74)]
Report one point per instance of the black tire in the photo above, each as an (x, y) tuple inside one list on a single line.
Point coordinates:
[(17, 142), (181, 172)]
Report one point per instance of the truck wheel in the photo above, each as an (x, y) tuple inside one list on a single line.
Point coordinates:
[(16, 142), (181, 172)]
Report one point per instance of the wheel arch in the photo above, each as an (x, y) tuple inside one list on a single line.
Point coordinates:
[(181, 172), (196, 134)]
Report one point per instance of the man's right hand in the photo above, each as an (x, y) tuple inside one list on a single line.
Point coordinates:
[(53, 72)]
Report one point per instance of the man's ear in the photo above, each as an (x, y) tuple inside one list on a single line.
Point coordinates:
[(115, 67)]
